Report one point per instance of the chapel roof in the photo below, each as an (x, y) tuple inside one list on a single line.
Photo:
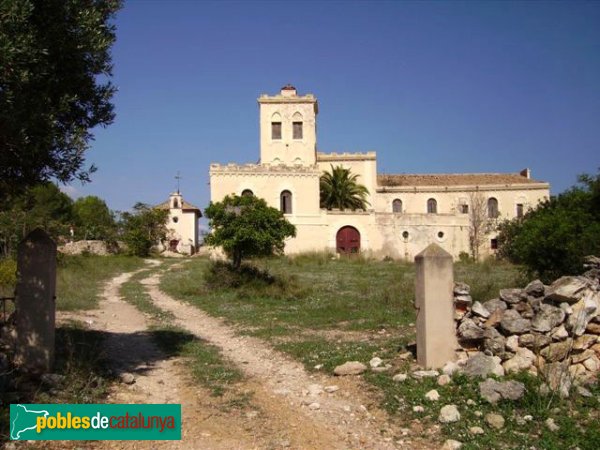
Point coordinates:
[(185, 206), (453, 179)]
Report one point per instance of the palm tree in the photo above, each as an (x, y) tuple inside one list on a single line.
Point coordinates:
[(339, 189)]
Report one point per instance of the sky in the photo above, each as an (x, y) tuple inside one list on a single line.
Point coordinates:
[(432, 87)]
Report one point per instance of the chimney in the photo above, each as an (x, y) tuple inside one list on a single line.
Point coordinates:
[(288, 91)]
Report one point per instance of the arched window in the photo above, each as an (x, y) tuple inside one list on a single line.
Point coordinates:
[(492, 208), (285, 202), (276, 126), (297, 131), (397, 206), (432, 206), (247, 193), (175, 203)]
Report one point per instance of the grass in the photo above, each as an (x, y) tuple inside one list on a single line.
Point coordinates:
[(328, 294), (79, 278)]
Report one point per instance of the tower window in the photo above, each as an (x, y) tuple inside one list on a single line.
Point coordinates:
[(397, 206), (492, 208), (519, 209), (464, 208), (285, 200), (297, 127), (494, 244), (275, 130), (432, 206)]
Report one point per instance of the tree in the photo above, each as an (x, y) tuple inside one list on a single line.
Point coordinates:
[(339, 189), (43, 206), (246, 226), (143, 228), (54, 87), (553, 239), (93, 219), (480, 224)]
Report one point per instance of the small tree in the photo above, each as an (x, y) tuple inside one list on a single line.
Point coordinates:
[(480, 224), (246, 226), (339, 189), (143, 229), (93, 219)]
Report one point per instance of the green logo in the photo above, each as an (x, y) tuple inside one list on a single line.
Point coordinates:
[(95, 422)]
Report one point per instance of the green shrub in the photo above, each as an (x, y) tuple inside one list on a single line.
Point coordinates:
[(8, 274)]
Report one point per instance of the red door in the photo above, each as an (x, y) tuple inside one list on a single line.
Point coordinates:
[(348, 240)]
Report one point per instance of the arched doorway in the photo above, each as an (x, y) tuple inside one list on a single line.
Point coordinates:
[(348, 240)]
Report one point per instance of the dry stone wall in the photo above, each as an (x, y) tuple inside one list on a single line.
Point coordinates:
[(551, 330)]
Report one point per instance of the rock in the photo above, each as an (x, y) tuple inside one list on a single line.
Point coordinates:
[(52, 379), (548, 317), (584, 342), (583, 311), (480, 310), (493, 341), (314, 406), (512, 343), (251, 414), (462, 300), (451, 444), (471, 402), (534, 341), (449, 414), (493, 391), (523, 360), (551, 425), (399, 377), (593, 328), (566, 308), (511, 296), (418, 409), (350, 368), (443, 380), (558, 378), (432, 395), (331, 389), (449, 368), (461, 288), (420, 374), (524, 309), (592, 364), (481, 365), (535, 289), (584, 392), (495, 420), (567, 289), (560, 333), (494, 305), (577, 371), (315, 390), (381, 369), (557, 351), (591, 262), (469, 330), (375, 362), (513, 323), (476, 430), (127, 378), (577, 358), (494, 319), (404, 356)]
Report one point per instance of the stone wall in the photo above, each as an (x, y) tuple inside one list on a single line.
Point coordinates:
[(92, 247), (546, 330)]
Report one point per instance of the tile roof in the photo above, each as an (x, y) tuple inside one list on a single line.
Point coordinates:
[(453, 179), (185, 206)]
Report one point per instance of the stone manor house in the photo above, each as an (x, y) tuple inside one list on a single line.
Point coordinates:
[(407, 212)]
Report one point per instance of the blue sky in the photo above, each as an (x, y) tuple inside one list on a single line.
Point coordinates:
[(431, 86)]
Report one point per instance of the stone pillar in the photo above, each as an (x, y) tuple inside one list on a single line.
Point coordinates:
[(35, 305), (436, 337)]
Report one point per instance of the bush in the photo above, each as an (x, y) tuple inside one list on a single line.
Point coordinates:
[(8, 274), (552, 240)]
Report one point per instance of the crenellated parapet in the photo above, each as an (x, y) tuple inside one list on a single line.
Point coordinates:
[(346, 156), (244, 170)]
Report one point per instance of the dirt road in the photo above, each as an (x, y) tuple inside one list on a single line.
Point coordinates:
[(286, 407)]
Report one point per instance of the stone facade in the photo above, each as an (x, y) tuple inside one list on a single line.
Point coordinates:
[(406, 212), (182, 224)]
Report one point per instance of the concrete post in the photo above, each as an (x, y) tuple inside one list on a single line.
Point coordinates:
[(35, 306), (436, 338)]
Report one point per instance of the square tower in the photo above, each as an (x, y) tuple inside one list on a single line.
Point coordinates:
[(288, 133)]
